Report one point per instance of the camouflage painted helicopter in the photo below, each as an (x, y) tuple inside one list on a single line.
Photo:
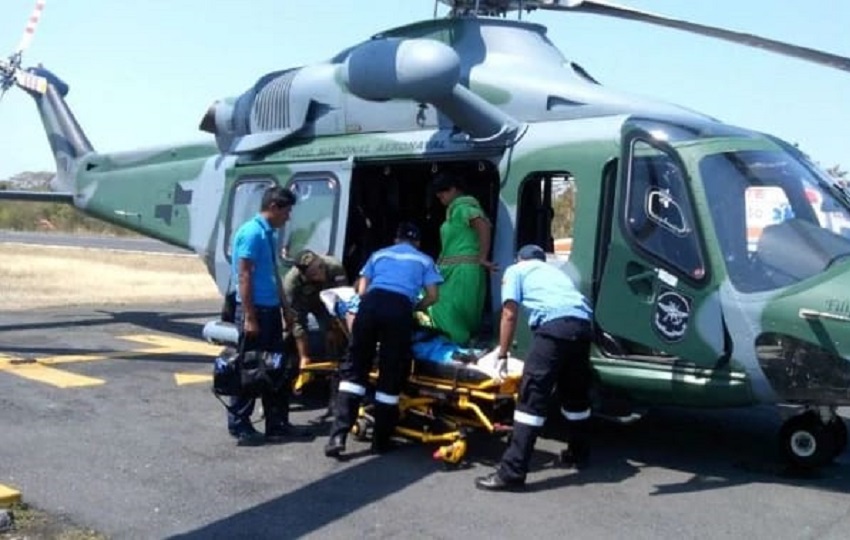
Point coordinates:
[(718, 259)]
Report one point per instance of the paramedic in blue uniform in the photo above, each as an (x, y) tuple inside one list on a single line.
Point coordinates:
[(559, 317), (389, 287), (259, 312)]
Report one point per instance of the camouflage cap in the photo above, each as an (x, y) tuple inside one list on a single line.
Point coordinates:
[(304, 259)]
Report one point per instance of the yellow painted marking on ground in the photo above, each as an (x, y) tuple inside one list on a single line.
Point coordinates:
[(9, 496), (166, 344), (48, 375), (191, 378), (38, 369)]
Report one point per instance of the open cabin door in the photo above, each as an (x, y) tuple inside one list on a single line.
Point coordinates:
[(321, 190), (656, 300)]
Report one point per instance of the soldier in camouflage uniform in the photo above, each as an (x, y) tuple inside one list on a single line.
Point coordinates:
[(312, 274)]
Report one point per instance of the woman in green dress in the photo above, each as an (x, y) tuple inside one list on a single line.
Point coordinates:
[(465, 239)]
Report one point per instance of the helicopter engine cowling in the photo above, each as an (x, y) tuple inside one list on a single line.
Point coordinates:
[(426, 71), (418, 69)]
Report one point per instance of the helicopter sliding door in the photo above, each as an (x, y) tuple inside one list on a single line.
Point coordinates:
[(656, 301)]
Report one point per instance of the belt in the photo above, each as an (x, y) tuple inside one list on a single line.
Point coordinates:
[(458, 259)]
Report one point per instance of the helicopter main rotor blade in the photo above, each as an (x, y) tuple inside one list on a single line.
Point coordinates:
[(32, 24), (598, 7)]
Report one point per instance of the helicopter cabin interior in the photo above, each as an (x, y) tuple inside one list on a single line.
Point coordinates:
[(386, 194)]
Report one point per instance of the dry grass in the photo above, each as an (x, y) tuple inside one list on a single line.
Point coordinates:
[(48, 276)]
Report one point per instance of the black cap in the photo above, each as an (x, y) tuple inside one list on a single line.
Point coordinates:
[(445, 181), (531, 251), (408, 231)]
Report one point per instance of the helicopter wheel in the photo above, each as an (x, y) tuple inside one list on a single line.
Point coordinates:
[(807, 442)]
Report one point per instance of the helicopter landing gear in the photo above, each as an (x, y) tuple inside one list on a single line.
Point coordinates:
[(813, 438)]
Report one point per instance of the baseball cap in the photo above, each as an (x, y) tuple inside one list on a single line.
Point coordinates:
[(531, 251), (444, 181), (408, 231)]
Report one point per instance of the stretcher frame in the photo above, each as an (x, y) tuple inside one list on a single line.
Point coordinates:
[(442, 410)]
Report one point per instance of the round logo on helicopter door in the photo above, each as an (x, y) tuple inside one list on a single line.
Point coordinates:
[(672, 311)]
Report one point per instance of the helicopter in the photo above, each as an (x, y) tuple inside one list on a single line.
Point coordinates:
[(716, 257)]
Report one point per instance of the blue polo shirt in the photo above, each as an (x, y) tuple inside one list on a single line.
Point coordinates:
[(252, 242), (546, 292), (401, 269)]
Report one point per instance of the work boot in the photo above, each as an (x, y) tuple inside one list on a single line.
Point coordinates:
[(247, 436), (285, 431), (494, 482), (335, 446), (278, 426)]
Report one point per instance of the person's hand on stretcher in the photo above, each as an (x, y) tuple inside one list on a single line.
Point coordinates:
[(497, 368)]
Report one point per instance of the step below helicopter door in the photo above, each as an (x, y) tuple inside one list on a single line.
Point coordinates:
[(655, 299)]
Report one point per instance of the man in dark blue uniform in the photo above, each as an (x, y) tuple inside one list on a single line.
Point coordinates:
[(259, 312), (389, 287), (559, 317)]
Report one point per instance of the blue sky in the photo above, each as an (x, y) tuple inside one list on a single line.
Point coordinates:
[(143, 73)]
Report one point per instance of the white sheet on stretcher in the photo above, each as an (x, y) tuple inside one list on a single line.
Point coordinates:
[(489, 362), (330, 297)]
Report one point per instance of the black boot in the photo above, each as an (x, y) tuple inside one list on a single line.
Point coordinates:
[(278, 427), (345, 413), (386, 417), (577, 453)]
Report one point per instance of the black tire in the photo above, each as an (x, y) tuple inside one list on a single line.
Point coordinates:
[(807, 442), (839, 433), (361, 430)]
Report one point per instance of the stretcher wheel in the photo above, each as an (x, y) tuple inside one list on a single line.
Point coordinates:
[(451, 453), (360, 429)]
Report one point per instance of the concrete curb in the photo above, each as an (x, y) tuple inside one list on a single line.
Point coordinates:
[(9, 496)]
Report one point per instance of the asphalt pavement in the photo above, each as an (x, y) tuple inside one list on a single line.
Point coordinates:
[(106, 417), (148, 245)]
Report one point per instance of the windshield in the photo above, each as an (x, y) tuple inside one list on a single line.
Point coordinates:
[(776, 222)]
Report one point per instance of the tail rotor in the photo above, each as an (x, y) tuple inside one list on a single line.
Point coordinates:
[(10, 69)]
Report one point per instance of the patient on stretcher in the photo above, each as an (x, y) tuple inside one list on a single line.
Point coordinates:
[(433, 352)]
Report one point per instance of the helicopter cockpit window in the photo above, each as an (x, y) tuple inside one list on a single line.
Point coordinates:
[(245, 202), (547, 212), (313, 221), (777, 223), (658, 210)]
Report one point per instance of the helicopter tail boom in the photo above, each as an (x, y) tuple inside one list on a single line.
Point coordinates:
[(67, 140)]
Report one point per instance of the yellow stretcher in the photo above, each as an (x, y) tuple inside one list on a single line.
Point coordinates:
[(444, 403)]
